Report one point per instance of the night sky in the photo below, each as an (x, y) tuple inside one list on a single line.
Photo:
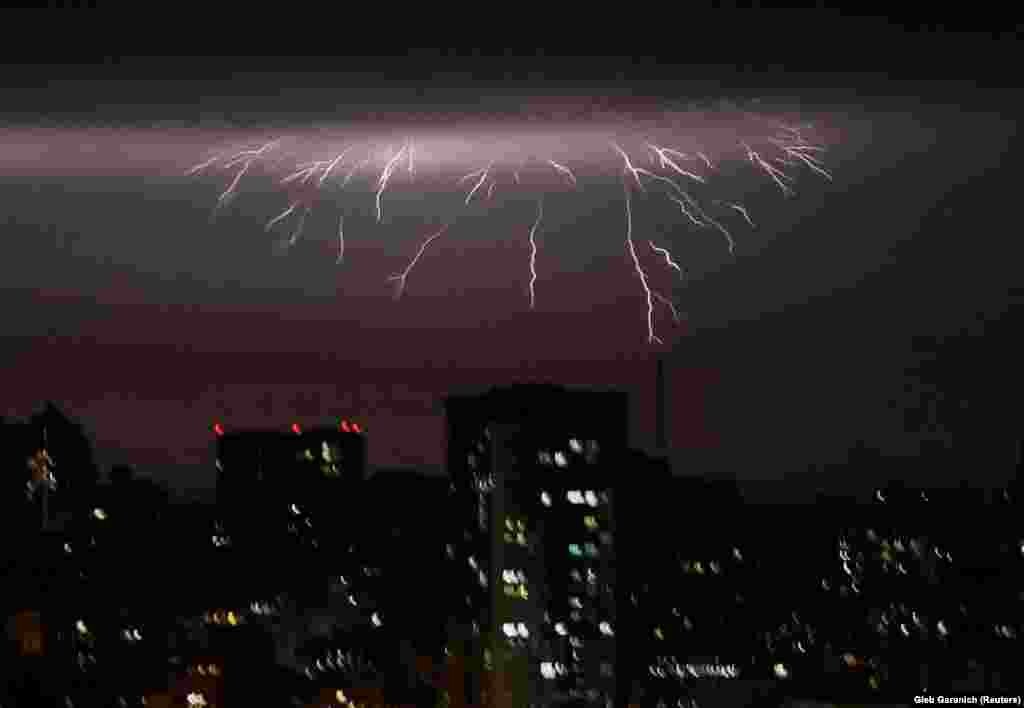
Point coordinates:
[(877, 307)]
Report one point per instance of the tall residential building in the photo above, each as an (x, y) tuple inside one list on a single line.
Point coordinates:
[(533, 542)]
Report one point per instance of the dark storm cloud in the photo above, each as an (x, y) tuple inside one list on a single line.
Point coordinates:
[(148, 322)]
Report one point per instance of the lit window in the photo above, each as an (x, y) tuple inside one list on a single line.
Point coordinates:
[(545, 499), (509, 628), (80, 626), (575, 602), (658, 633), (574, 549), (591, 498), (606, 629), (376, 620), (561, 460), (99, 514), (547, 669), (590, 522), (576, 446), (196, 699), (544, 457), (574, 496), (523, 630), (781, 671), (560, 628), (591, 550)]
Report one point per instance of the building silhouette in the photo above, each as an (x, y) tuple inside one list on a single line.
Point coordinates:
[(533, 542)]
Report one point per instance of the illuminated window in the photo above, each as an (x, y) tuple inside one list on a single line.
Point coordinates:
[(544, 457), (545, 499), (561, 460), (606, 629), (591, 498), (590, 522), (574, 496), (561, 629), (574, 549), (591, 550)]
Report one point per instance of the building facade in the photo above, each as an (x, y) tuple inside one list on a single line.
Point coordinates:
[(533, 544)]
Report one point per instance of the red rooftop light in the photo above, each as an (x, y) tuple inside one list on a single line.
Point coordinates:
[(344, 427), (296, 429), (218, 429), (356, 428)]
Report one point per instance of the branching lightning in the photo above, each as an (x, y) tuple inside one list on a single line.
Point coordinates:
[(482, 174), (778, 176), (665, 156), (652, 338), (400, 278), (330, 167), (687, 174)]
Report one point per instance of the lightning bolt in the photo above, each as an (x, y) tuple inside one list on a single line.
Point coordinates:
[(412, 168), (778, 176), (652, 338), (638, 171), (668, 258), (797, 152), (565, 171), (483, 176), (400, 278), (247, 157), (283, 215), (341, 239), (533, 250), (203, 165), (665, 156), (706, 160), (490, 188), (304, 173), (671, 305), (725, 232), (739, 208), (299, 227), (331, 166), (382, 183)]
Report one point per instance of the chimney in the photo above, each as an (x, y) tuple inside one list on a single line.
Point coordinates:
[(661, 440)]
